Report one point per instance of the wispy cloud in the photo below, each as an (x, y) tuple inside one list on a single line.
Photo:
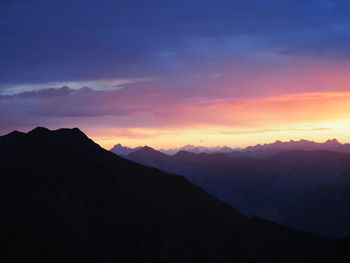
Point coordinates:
[(107, 84), (272, 130), (149, 107)]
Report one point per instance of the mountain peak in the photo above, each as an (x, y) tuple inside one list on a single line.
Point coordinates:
[(332, 141), (12, 138), (43, 130), (147, 149), (119, 149), (39, 130), (63, 137), (15, 133)]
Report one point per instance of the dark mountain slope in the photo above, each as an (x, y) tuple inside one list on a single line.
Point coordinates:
[(294, 188), (323, 207), (65, 199), (122, 150), (338, 253)]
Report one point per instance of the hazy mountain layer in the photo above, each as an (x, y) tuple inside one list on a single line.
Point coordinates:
[(308, 190), (257, 151)]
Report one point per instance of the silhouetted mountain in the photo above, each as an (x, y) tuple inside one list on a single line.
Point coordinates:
[(65, 199), (257, 151), (338, 253), (122, 150), (322, 208), (331, 145), (258, 154), (294, 188), (204, 149), (267, 150)]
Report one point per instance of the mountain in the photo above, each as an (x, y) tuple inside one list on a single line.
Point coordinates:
[(338, 253), (123, 150), (199, 149), (257, 151), (204, 149), (65, 199), (330, 145), (321, 208), (267, 150), (257, 154), (294, 188)]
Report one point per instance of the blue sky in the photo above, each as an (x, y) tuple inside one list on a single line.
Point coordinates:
[(168, 53), (57, 41)]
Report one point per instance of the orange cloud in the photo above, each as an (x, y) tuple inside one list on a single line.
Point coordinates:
[(309, 115), (284, 109)]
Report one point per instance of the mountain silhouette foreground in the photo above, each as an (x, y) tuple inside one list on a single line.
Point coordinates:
[(65, 199)]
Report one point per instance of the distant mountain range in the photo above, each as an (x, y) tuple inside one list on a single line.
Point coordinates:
[(125, 150), (65, 199), (329, 145), (307, 190), (257, 151)]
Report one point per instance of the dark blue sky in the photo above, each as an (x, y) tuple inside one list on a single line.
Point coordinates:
[(48, 41)]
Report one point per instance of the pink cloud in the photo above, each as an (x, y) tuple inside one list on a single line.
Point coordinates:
[(242, 98)]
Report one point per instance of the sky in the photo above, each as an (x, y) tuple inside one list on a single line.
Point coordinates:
[(169, 73)]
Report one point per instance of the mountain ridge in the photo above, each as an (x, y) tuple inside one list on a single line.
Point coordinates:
[(256, 150), (68, 200), (271, 187)]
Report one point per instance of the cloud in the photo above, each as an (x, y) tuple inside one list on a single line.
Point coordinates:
[(133, 107), (181, 64), (64, 41), (148, 115), (272, 130), (136, 134), (110, 84)]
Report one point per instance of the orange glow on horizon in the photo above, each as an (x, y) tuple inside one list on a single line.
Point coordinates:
[(313, 115)]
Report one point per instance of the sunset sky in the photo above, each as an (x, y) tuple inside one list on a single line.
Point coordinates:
[(169, 73)]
